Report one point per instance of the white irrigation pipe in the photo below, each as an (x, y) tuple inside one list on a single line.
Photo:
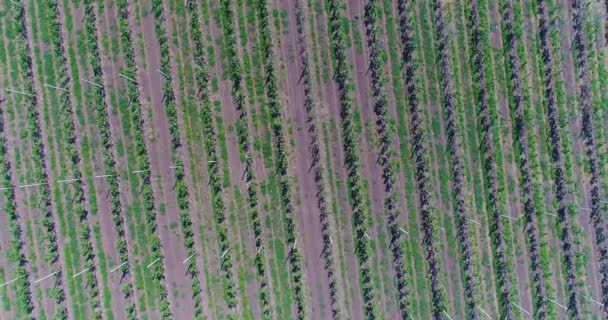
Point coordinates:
[(484, 312), (19, 92), (557, 303), (54, 87), (81, 272), (130, 79), (117, 267), (153, 262), (50, 275), (11, 281)]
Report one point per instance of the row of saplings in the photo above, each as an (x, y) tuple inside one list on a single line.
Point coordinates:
[(142, 160), (180, 187), (69, 132), (109, 163), (322, 201), (295, 258), (559, 155), (350, 136), (230, 42), (528, 163), (39, 169), (455, 150), (390, 165)]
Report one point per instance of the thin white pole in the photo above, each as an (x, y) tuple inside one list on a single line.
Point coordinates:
[(32, 185), (50, 275), (11, 281), (93, 83), (117, 267), (130, 79), (81, 272), (164, 74), (17, 91), (368, 237), (224, 253), (551, 214), (103, 176), (585, 208), (473, 221), (16, 3), (403, 230), (67, 180), (446, 313), (7, 188), (153, 262), (484, 312), (54, 87), (259, 249), (139, 171), (440, 227), (557, 303), (509, 217), (175, 167), (186, 260), (520, 308)]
